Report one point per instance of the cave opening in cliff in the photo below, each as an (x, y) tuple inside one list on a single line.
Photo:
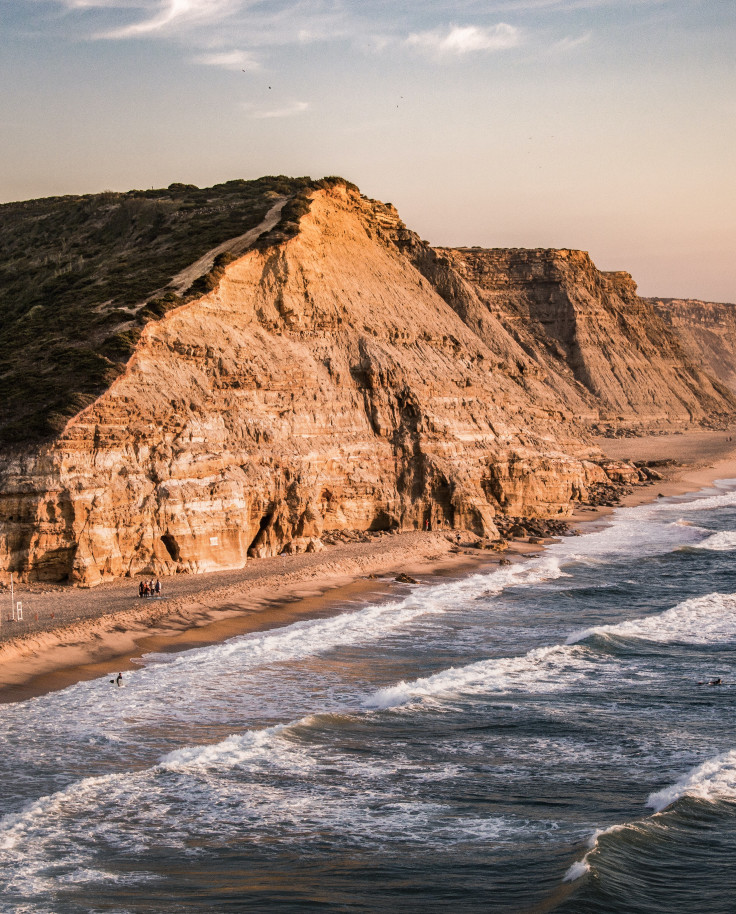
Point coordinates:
[(264, 522), (171, 546), (383, 521)]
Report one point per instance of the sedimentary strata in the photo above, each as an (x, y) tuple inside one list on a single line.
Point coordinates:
[(707, 332), (347, 377)]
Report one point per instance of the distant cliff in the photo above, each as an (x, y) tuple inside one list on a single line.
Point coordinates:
[(606, 352), (707, 332), (336, 374)]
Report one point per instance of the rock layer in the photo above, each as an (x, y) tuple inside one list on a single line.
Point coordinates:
[(347, 378), (606, 352), (707, 332)]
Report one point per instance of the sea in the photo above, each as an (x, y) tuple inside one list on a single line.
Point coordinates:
[(536, 737)]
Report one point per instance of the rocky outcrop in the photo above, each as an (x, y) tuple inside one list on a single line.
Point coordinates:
[(706, 331), (345, 378)]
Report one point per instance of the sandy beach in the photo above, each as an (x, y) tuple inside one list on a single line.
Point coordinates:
[(70, 634)]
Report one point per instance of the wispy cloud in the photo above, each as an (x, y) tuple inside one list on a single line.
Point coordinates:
[(207, 28), (170, 13), (570, 43), (458, 40), (228, 60), (566, 6), (289, 110)]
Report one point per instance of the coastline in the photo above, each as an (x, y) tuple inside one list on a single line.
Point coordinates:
[(93, 631), (86, 640)]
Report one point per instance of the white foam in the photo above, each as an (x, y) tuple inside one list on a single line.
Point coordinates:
[(241, 749), (647, 530), (703, 620), (638, 531), (581, 867), (725, 541), (577, 870), (703, 503), (544, 669), (85, 876), (713, 780)]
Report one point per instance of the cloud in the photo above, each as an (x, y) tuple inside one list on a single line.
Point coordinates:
[(287, 111), (458, 40), (569, 43), (174, 12), (569, 6), (228, 60)]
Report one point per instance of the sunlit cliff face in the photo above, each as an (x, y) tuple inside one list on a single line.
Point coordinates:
[(350, 378)]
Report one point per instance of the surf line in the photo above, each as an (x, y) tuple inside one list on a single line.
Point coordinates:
[(713, 780)]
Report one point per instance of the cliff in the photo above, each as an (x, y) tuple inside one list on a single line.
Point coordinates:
[(341, 375), (607, 353), (80, 277), (707, 333)]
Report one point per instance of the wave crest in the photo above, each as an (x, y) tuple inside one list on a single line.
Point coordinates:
[(701, 620), (544, 669), (725, 541), (711, 781)]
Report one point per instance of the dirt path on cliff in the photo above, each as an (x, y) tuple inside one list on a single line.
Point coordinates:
[(237, 246)]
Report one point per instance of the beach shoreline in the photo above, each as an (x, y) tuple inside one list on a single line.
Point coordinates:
[(93, 632)]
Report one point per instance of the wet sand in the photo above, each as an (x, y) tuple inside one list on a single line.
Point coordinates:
[(83, 634), (71, 634)]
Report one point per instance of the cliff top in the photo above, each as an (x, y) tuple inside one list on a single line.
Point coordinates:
[(686, 303), (81, 275)]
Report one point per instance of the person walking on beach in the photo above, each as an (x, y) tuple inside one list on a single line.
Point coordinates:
[(158, 587), (140, 589)]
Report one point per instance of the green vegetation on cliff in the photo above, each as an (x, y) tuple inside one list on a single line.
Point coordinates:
[(80, 276)]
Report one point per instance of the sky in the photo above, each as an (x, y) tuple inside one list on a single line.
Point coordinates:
[(603, 125)]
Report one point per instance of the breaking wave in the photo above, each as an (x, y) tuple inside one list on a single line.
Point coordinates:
[(701, 620), (725, 541), (712, 781), (545, 669)]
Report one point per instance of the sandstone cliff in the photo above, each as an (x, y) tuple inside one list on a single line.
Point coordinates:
[(707, 333), (606, 352), (346, 376)]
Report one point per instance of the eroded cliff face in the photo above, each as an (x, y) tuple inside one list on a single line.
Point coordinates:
[(606, 352), (329, 383), (707, 333)]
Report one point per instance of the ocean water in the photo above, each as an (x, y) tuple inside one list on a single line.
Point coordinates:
[(537, 738)]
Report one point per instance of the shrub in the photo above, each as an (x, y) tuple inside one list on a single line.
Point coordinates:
[(64, 257)]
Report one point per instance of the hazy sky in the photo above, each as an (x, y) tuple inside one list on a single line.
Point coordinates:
[(606, 125)]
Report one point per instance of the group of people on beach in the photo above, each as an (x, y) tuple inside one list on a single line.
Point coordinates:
[(149, 588)]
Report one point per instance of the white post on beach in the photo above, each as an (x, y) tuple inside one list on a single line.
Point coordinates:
[(18, 612), (12, 598)]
